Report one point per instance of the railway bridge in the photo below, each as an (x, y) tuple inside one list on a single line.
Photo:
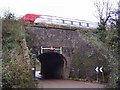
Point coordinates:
[(55, 49)]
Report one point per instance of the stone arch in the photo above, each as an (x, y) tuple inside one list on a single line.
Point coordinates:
[(53, 65)]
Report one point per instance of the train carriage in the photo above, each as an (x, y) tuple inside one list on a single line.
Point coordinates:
[(35, 18)]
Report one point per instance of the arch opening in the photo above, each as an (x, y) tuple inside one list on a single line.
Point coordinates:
[(52, 65)]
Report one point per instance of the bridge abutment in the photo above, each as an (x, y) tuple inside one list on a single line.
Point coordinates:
[(71, 44)]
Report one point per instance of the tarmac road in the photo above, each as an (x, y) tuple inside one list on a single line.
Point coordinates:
[(67, 84)]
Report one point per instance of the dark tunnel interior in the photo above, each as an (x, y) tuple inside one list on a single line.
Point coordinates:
[(52, 65)]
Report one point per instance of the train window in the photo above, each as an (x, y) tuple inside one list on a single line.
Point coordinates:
[(63, 21), (79, 23), (87, 24), (68, 22), (71, 22)]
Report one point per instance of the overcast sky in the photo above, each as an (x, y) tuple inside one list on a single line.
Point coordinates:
[(75, 9)]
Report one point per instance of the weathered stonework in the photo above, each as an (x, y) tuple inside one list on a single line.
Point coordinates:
[(70, 41)]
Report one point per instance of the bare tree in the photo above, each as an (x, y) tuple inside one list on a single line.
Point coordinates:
[(9, 15), (103, 12)]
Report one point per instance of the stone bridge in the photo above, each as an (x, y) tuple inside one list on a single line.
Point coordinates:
[(55, 49)]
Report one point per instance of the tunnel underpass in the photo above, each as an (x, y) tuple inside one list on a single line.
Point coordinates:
[(52, 65)]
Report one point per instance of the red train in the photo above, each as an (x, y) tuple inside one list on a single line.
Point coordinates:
[(35, 18)]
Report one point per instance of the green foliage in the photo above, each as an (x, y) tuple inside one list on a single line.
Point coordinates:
[(83, 66), (101, 33), (108, 49), (16, 62), (76, 64), (118, 46)]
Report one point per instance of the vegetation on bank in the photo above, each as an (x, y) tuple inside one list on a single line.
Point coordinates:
[(108, 47), (16, 63), (108, 50), (106, 39)]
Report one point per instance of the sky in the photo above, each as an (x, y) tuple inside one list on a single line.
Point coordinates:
[(74, 9)]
